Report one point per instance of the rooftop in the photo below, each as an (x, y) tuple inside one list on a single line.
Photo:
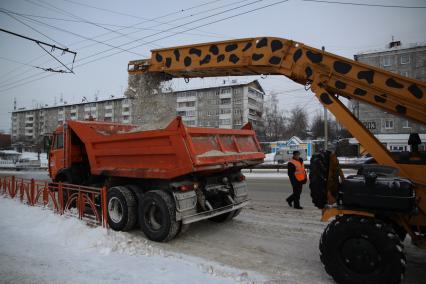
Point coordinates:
[(403, 46)]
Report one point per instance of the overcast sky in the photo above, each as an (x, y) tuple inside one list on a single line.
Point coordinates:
[(342, 29)]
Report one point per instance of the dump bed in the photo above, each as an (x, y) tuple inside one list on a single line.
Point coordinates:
[(124, 150)]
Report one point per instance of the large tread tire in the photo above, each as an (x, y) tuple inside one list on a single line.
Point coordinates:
[(127, 202), (66, 177), (157, 216), (357, 249), (318, 176)]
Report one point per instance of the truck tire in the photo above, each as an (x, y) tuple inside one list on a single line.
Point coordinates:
[(157, 216), (65, 176), (121, 208), (357, 249), (318, 176)]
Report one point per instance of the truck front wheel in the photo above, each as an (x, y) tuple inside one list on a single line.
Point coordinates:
[(357, 249), (122, 208), (157, 216)]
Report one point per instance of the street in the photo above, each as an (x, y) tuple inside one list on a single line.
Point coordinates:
[(267, 237)]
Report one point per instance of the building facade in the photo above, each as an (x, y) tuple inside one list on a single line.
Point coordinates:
[(406, 60), (229, 105)]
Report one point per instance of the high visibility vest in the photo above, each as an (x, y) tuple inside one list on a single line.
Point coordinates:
[(300, 172)]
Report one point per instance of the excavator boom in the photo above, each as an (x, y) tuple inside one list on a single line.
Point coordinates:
[(328, 75)]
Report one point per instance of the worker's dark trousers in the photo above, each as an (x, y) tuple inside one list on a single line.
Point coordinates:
[(295, 197)]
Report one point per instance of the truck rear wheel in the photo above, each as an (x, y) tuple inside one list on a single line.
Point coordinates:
[(122, 208), (157, 216), (357, 249)]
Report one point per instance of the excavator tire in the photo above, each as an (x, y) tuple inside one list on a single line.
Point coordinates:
[(356, 249), (121, 208), (318, 175), (157, 216)]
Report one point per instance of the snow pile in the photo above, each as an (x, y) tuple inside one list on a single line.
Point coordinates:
[(216, 153), (33, 156), (38, 246), (151, 107), (269, 157)]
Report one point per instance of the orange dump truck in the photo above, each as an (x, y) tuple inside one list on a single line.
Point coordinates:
[(162, 179)]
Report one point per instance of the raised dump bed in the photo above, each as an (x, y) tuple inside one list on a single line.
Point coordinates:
[(195, 171)]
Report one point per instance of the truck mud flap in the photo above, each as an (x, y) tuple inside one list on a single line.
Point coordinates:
[(208, 214)]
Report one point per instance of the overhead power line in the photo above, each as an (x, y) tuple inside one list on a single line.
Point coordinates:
[(366, 4), (140, 39), (42, 45), (134, 26), (180, 32), (34, 29), (7, 12)]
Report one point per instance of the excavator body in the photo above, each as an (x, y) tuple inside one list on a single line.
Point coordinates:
[(363, 243)]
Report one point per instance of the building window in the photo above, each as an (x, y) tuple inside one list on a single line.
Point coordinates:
[(387, 60), (252, 101), (406, 124), (186, 104), (190, 122), (404, 73), (405, 58), (225, 101), (397, 148), (389, 124), (225, 121), (190, 113), (225, 90)]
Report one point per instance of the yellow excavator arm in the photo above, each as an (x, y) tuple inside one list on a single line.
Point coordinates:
[(329, 76)]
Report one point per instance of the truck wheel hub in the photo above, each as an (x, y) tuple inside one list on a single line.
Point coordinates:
[(360, 255), (115, 209), (153, 217)]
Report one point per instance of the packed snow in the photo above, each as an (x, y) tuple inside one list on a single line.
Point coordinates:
[(267, 243), (38, 246)]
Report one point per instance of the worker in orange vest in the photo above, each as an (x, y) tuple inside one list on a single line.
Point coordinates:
[(298, 177)]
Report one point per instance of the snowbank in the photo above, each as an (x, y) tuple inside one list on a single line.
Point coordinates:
[(38, 246)]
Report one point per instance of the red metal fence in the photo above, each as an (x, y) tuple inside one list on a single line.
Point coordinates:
[(87, 203)]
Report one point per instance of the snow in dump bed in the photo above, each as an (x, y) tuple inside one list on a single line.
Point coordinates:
[(215, 153), (38, 246)]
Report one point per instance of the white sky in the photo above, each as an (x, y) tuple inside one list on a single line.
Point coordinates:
[(342, 29)]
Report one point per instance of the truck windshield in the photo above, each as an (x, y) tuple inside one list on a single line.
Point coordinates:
[(59, 141)]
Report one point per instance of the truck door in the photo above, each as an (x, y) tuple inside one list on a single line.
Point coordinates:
[(56, 154)]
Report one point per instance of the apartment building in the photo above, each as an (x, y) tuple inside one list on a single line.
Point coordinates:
[(226, 105), (229, 105), (407, 60)]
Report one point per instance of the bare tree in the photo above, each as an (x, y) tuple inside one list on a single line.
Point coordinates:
[(274, 120), (298, 123)]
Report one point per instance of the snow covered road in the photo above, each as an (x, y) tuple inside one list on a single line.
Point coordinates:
[(268, 242), (37, 246)]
